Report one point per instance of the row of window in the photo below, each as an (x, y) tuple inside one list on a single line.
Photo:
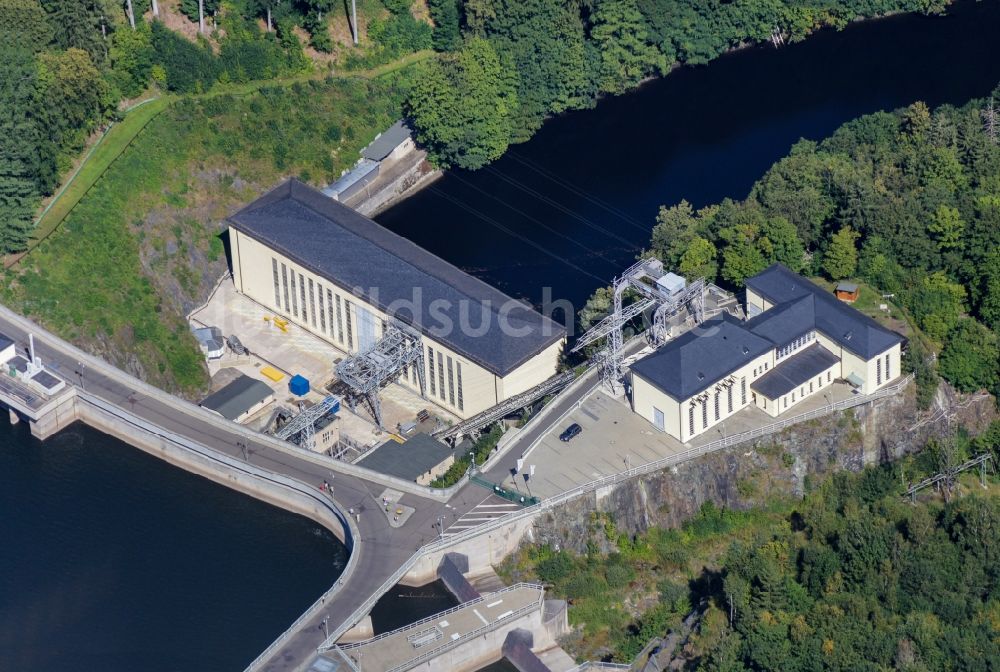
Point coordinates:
[(802, 390), (454, 376), (287, 295), (718, 393), (285, 288), (799, 342), (760, 370), (878, 370)]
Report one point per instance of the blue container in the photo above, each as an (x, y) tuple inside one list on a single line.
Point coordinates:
[(298, 385)]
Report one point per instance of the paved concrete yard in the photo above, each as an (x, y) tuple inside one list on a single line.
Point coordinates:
[(614, 439), (299, 351), (399, 646)]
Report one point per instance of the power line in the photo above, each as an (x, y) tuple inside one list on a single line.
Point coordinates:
[(545, 226), (558, 206), (568, 186), (508, 231)]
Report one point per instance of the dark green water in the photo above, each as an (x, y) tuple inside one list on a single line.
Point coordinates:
[(112, 560)]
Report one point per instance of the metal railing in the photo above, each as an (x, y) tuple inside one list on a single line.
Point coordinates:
[(657, 465), (597, 665), (249, 469), (437, 617), (452, 643)]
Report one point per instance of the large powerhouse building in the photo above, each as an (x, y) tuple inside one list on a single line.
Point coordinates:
[(341, 276), (797, 340)]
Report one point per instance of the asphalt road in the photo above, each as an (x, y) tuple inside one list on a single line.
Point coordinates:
[(381, 548)]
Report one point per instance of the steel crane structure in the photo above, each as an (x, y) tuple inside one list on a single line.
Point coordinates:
[(301, 429), (641, 279), (365, 373)]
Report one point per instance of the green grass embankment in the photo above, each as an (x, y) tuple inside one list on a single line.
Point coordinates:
[(141, 240)]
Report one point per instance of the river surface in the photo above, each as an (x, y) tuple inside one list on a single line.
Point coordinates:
[(571, 208), (111, 560)]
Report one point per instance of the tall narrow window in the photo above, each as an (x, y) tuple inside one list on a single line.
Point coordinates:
[(451, 384), (819, 381), (743, 391), (340, 323), (828, 376), (691, 419), (312, 302), (786, 401), (430, 367), (716, 405), (704, 413), (729, 398), (878, 371), (887, 375), (441, 375), (295, 298), (793, 397), (458, 372), (277, 285), (302, 293), (810, 387), (350, 329), (284, 282), (322, 308)]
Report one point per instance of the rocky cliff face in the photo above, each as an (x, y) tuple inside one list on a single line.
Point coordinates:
[(747, 474)]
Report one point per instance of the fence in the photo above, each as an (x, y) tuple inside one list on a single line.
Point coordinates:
[(552, 502), (450, 644), (350, 531)]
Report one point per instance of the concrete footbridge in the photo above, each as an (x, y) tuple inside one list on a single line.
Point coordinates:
[(381, 554), (442, 641)]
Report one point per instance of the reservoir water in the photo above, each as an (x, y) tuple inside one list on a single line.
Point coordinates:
[(571, 208), (111, 560)]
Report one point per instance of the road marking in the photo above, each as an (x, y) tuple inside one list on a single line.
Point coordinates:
[(476, 612), (493, 604)]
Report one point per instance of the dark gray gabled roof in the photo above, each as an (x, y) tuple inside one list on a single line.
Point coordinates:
[(390, 272), (5, 341), (409, 460), (785, 322), (386, 142), (701, 357), (795, 371), (846, 326), (237, 397)]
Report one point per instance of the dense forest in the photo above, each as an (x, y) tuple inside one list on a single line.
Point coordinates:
[(502, 67), (907, 201), (852, 577), (510, 64)]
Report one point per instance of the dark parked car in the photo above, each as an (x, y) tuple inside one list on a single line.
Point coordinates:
[(570, 432)]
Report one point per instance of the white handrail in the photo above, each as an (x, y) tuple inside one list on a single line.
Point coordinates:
[(551, 502), (438, 615)]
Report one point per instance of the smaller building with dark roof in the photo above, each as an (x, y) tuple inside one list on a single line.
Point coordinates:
[(420, 458), (240, 399), (391, 144), (799, 339)]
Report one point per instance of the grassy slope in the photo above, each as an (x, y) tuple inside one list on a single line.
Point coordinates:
[(142, 245)]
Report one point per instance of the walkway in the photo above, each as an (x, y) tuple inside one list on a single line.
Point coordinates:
[(615, 439), (430, 637), (381, 548)]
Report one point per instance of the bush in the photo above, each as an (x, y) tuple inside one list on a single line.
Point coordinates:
[(969, 360), (555, 567), (187, 67)]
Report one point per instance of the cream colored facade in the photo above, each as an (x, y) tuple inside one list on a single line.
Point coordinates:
[(874, 373), (701, 412), (334, 314), (687, 418)]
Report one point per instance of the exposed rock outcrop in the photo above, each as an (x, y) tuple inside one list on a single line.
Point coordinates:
[(747, 474)]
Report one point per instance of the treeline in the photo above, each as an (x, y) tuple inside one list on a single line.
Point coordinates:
[(68, 63), (852, 577), (510, 64), (908, 201), (862, 580)]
